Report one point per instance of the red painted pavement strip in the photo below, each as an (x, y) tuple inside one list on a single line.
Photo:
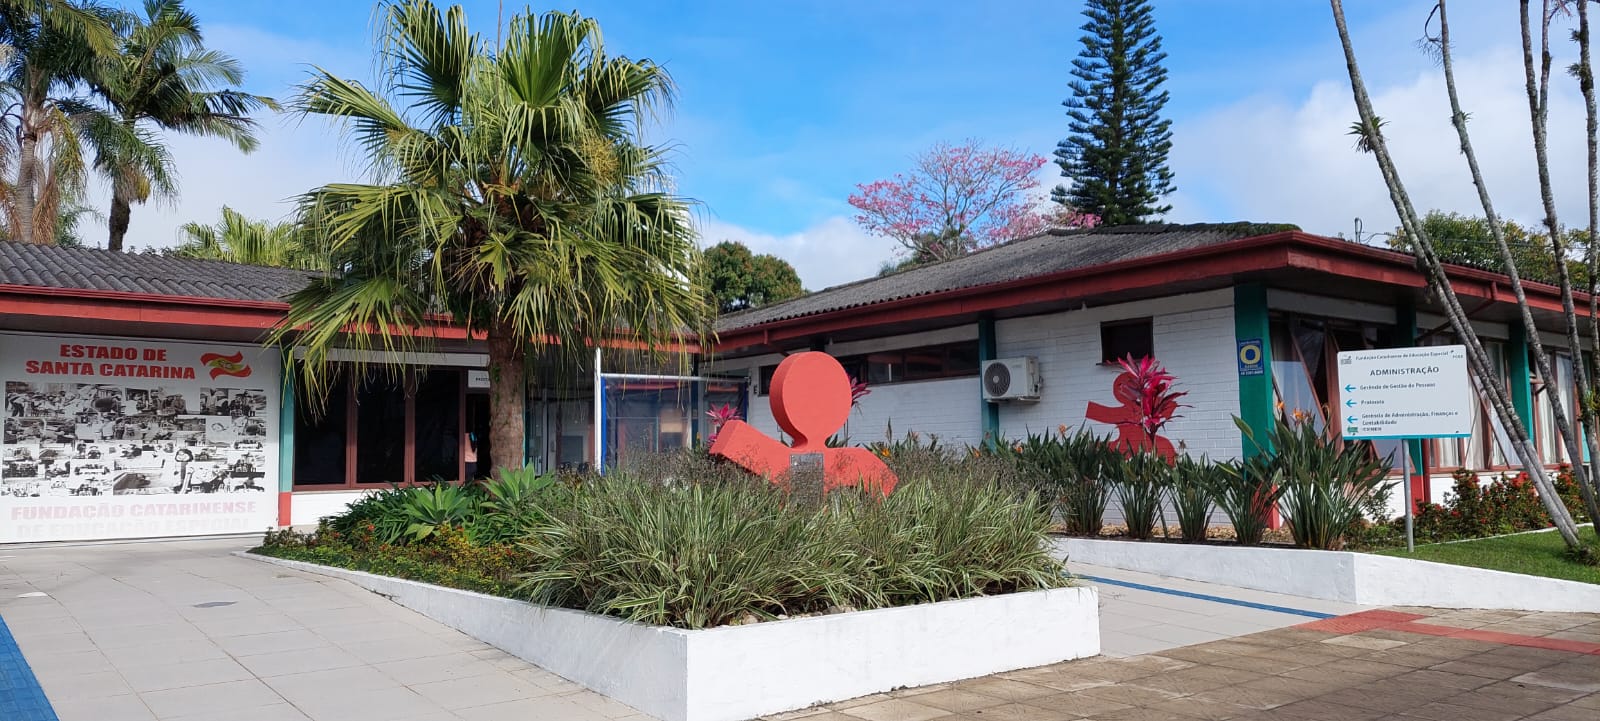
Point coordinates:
[(1406, 622), (1362, 621)]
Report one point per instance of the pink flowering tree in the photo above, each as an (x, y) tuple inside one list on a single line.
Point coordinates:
[(959, 198)]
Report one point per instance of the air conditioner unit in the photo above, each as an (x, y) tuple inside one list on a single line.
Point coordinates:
[(1011, 379)]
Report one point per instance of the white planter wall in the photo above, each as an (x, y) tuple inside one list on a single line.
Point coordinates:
[(739, 672), (306, 508), (1362, 578)]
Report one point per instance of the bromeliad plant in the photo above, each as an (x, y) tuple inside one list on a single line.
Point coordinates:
[(1246, 492), (1192, 483), (1322, 485), (1143, 479)]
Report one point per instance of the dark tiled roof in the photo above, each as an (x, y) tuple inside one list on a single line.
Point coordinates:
[(51, 266), (1053, 252)]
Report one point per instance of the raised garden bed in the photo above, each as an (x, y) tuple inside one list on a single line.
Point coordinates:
[(1363, 578), (739, 672)]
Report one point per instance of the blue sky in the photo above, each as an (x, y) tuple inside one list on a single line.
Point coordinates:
[(784, 107)]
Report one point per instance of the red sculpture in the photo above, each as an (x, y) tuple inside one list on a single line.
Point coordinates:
[(810, 399), (1131, 436)]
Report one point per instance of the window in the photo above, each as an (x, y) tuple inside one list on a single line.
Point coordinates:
[(319, 435), (1304, 377), (384, 428), (1124, 338), (949, 360)]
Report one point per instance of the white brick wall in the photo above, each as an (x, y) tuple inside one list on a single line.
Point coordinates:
[(945, 408), (1194, 339)]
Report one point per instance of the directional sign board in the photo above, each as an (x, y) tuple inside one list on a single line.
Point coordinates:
[(1405, 393)]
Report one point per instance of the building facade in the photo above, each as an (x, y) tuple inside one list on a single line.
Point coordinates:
[(140, 400)]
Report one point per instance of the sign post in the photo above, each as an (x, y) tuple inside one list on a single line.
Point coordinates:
[(1405, 393)]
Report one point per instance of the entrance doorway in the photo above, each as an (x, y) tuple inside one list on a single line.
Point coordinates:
[(478, 437)]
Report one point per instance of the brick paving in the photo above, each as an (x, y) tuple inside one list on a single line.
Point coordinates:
[(1507, 665)]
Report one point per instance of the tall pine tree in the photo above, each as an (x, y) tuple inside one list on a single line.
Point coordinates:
[(1116, 152)]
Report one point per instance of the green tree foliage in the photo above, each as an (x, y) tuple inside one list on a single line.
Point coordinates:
[(739, 279), (165, 77), (50, 50), (1467, 240), (1116, 150), (511, 190), (238, 239)]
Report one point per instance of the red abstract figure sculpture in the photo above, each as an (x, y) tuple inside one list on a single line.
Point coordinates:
[(810, 399), (1127, 417)]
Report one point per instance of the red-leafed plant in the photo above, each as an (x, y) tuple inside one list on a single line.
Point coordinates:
[(719, 417), (1155, 396), (858, 390)]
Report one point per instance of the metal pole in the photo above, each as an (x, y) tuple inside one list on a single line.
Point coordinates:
[(599, 416), (1405, 468)]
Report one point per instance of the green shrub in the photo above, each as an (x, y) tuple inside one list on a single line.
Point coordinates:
[(698, 555), (445, 558), (1142, 480), (1192, 484), (1508, 504), (384, 510)]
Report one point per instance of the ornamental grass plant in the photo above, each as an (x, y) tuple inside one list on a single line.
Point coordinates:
[(685, 540), (705, 554)]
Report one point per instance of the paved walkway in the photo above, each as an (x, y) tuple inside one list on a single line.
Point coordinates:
[(1453, 666), (181, 630), (1141, 613)]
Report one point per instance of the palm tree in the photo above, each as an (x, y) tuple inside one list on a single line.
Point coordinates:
[(49, 46), (238, 239), (511, 193), (164, 76)]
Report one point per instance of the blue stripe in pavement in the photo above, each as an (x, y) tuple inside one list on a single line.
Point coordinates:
[(21, 698), (1208, 597)]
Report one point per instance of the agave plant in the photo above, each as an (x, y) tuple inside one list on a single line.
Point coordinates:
[(433, 507)]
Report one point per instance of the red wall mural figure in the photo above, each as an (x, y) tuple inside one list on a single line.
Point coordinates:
[(811, 398), (1131, 435)]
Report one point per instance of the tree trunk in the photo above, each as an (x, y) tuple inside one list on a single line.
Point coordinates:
[(1591, 490), (1458, 118), (27, 179), (121, 210), (508, 392), (1489, 387)]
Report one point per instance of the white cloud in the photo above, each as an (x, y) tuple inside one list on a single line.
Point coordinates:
[(828, 253), (292, 159), (1267, 160)]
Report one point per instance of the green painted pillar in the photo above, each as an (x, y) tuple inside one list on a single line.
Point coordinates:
[(286, 418), (1519, 374), (1253, 334), (1405, 330), (987, 351)]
